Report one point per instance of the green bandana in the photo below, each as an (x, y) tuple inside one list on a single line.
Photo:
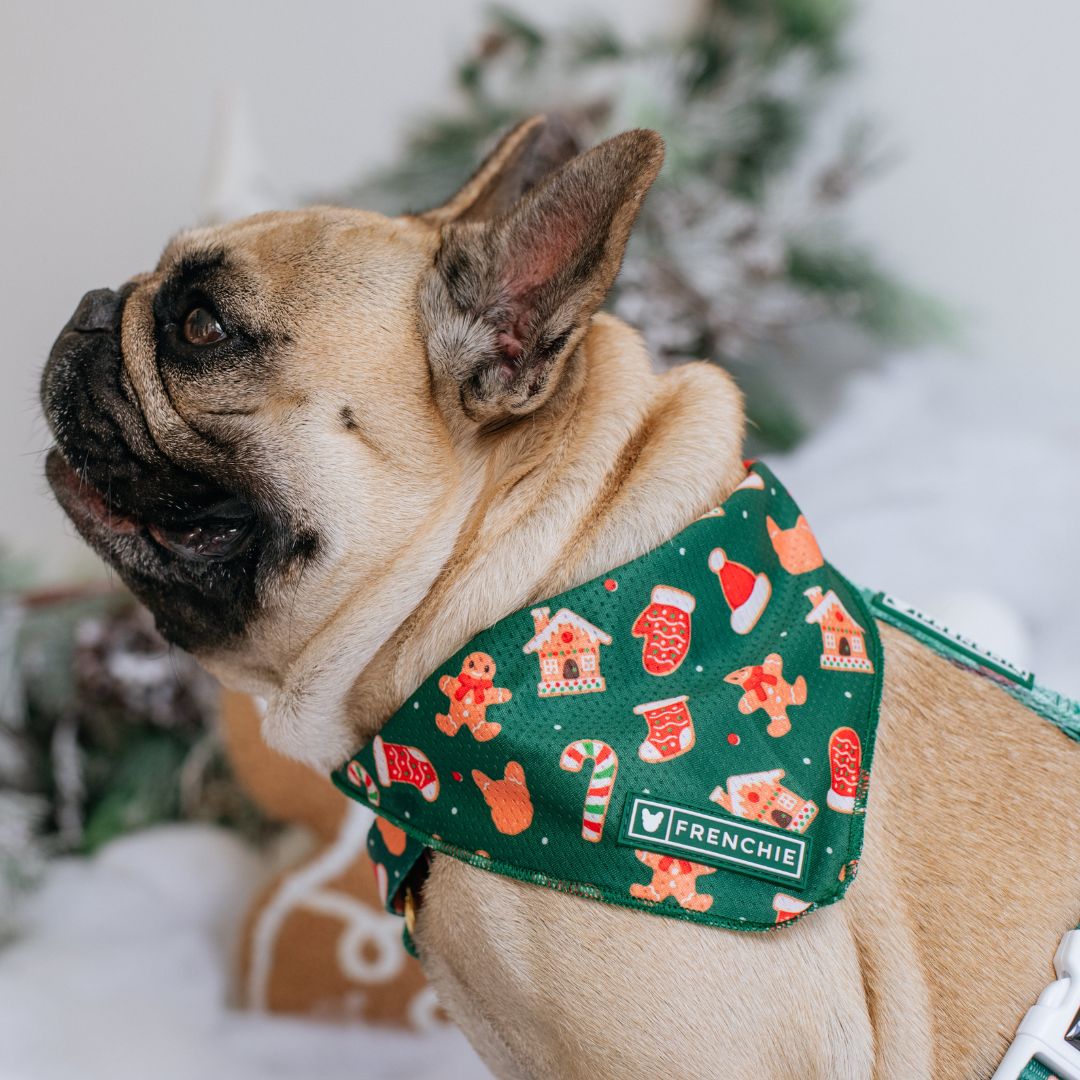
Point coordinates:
[(689, 735)]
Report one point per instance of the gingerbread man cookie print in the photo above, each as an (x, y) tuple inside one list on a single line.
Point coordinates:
[(766, 688), (470, 693), (673, 877)]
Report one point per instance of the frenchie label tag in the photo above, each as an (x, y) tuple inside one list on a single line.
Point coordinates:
[(951, 640), (718, 840)]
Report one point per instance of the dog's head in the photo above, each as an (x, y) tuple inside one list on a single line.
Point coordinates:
[(275, 424)]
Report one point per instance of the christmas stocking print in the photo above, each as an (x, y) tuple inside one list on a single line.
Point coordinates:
[(398, 764), (746, 593), (665, 627), (671, 729)]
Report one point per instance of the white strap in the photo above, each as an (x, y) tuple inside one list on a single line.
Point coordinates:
[(1042, 1032)]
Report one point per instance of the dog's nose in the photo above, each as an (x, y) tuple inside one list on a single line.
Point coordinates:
[(99, 309)]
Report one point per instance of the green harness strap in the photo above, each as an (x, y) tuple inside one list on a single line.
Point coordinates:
[(1062, 712), (1035, 1070)]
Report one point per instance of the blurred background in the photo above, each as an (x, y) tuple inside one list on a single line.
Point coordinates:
[(868, 213)]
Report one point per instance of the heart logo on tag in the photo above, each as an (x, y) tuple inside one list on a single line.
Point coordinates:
[(651, 819)]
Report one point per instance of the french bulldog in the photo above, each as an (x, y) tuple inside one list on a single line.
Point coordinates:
[(326, 447)]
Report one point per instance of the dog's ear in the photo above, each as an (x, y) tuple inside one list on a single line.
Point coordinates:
[(510, 296), (514, 772), (523, 157), (480, 780)]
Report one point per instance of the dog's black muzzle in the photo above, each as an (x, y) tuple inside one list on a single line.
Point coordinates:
[(101, 432), (186, 545), (93, 411)]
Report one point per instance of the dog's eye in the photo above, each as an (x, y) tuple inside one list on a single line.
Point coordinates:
[(202, 328)]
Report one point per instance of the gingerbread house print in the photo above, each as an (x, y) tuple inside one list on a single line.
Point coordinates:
[(568, 648), (760, 796), (843, 640)]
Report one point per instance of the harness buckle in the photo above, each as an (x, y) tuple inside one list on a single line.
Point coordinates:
[(1050, 1032)]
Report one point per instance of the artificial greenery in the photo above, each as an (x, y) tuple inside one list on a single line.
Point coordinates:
[(104, 729)]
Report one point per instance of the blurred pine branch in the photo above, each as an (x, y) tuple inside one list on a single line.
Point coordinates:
[(742, 243), (104, 729)]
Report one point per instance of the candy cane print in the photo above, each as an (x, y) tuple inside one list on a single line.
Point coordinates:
[(598, 797), (359, 776), (382, 881)]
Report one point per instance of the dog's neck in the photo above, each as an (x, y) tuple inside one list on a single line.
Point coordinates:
[(619, 461)]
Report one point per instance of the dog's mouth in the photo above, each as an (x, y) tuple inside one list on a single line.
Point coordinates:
[(220, 531)]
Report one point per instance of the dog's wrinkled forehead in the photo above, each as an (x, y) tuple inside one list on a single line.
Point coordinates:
[(267, 270), (312, 303), (275, 266)]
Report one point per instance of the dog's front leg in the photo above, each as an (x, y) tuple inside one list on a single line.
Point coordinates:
[(554, 987)]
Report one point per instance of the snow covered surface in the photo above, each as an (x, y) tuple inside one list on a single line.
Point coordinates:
[(122, 975), (952, 489)]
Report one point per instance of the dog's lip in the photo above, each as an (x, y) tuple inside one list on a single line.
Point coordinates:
[(219, 532), (82, 500), (215, 533)]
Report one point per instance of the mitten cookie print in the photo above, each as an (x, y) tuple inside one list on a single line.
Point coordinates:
[(665, 627), (845, 763)]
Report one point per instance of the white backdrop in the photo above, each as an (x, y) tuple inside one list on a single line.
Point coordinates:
[(107, 109)]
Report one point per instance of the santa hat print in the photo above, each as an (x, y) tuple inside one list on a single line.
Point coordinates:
[(746, 593)]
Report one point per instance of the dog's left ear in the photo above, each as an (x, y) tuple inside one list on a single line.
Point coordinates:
[(510, 295)]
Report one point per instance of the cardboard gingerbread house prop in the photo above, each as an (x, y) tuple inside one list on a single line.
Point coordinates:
[(568, 649), (843, 640), (316, 941)]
